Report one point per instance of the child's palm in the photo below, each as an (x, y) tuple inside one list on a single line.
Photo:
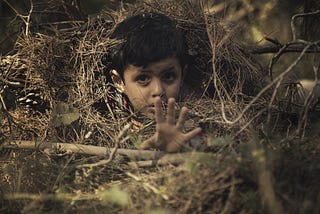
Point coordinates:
[(169, 135)]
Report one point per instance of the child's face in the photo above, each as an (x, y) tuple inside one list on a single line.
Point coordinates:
[(159, 79)]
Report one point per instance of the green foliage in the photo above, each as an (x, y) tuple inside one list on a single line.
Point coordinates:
[(220, 141), (159, 211), (114, 195), (191, 166), (63, 115), (138, 141)]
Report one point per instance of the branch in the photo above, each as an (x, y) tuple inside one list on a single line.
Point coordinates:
[(113, 150), (24, 18), (265, 49), (139, 158), (293, 29), (81, 149)]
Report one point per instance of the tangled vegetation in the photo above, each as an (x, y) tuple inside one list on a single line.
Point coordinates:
[(59, 153)]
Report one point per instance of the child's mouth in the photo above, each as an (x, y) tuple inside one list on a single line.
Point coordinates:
[(152, 108)]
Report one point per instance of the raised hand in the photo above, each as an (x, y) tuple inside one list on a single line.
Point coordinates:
[(169, 135)]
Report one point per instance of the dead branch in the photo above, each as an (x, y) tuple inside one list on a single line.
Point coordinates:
[(266, 49), (81, 149), (169, 159), (139, 158), (293, 29), (296, 45), (24, 18), (216, 8), (51, 197), (118, 140), (304, 112)]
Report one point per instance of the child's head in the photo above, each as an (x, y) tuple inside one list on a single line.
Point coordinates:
[(150, 61), (147, 38)]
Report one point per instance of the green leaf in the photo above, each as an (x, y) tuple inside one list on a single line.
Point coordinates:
[(138, 141), (63, 114), (220, 141), (208, 160), (115, 195), (159, 211), (191, 166)]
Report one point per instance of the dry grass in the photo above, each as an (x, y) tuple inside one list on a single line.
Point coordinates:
[(242, 117)]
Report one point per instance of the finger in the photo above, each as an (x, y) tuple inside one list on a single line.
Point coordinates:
[(158, 111), (192, 134), (182, 118), (147, 144), (170, 114)]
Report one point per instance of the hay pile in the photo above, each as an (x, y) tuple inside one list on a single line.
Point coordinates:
[(65, 73), (65, 69)]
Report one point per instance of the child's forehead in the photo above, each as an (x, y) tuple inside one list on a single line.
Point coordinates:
[(164, 64)]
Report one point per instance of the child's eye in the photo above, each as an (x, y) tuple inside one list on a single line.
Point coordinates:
[(169, 77), (143, 79)]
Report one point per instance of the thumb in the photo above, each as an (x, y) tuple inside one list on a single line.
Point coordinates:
[(147, 144)]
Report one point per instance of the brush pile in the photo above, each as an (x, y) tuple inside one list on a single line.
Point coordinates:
[(54, 85)]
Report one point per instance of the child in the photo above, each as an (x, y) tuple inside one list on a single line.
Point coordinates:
[(149, 68)]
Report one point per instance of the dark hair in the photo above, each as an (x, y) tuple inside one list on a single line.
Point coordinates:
[(146, 38)]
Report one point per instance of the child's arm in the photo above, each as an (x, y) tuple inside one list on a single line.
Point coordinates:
[(169, 135)]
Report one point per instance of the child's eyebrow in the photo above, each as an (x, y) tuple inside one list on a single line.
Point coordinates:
[(143, 71), (168, 69)]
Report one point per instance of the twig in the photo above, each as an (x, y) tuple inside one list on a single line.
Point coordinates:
[(216, 8), (123, 132), (228, 206), (148, 186), (306, 105), (24, 18), (273, 97), (173, 159), (10, 83), (274, 59), (293, 29), (47, 197), (250, 121), (104, 162), (263, 90)]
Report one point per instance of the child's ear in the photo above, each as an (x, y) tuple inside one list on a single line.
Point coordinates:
[(117, 81)]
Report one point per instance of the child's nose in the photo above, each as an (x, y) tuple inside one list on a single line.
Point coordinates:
[(157, 88)]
